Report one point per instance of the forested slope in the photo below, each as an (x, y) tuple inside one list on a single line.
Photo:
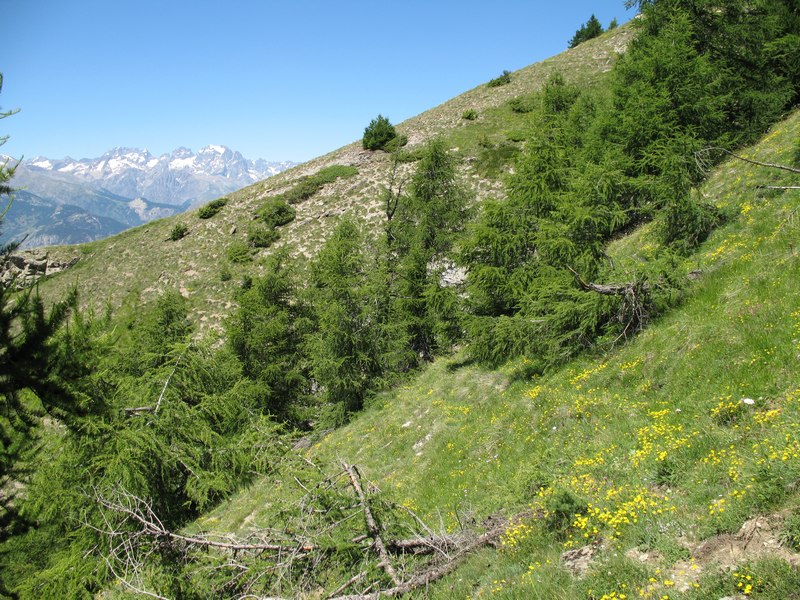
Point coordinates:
[(552, 353)]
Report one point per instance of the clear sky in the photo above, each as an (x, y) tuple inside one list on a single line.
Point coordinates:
[(285, 80)]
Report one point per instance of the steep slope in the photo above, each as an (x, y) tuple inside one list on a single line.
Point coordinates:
[(673, 461), (139, 264)]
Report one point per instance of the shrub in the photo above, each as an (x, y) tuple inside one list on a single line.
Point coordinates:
[(212, 208), (308, 186), (562, 506), (470, 114), (334, 172), (276, 212), (378, 133), (179, 231), (408, 156), (396, 143), (523, 104), (238, 253), (688, 222), (503, 79), (225, 274), (493, 159), (558, 96), (259, 236), (517, 135)]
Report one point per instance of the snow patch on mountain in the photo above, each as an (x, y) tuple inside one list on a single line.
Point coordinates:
[(176, 178)]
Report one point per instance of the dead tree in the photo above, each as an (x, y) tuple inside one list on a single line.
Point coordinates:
[(634, 309), (322, 532)]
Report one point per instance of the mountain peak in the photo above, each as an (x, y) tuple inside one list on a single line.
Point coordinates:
[(175, 178), (215, 148)]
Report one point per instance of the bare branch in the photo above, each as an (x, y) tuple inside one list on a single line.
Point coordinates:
[(354, 579), (140, 511), (700, 157), (166, 383), (287, 564), (608, 289), (372, 525)]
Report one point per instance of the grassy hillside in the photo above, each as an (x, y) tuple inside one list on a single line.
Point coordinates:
[(644, 445), (675, 458), (139, 264)]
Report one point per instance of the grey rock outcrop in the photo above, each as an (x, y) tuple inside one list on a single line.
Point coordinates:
[(25, 268)]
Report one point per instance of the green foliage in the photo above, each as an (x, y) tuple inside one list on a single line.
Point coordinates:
[(334, 172), (591, 29), (396, 143), (154, 331), (613, 24), (790, 532), (212, 208), (407, 156), (182, 432), (557, 96), (796, 153), (378, 133), (183, 427), (348, 348), (493, 159), (42, 371), (562, 507), (592, 168), (6, 170), (178, 232), (470, 114), (503, 79), (267, 334), (524, 104), (259, 236), (612, 430), (421, 231), (238, 252), (305, 187), (276, 212), (687, 223)]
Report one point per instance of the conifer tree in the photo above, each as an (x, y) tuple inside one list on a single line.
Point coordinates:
[(267, 333), (37, 373), (591, 29), (347, 351), (423, 232)]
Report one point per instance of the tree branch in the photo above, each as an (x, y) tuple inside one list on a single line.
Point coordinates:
[(372, 525), (608, 289), (699, 157)]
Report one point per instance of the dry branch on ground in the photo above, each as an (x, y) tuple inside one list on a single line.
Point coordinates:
[(323, 534)]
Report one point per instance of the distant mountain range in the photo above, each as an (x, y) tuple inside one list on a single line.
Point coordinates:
[(68, 201)]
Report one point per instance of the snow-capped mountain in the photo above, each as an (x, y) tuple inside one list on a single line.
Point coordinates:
[(123, 188), (175, 178)]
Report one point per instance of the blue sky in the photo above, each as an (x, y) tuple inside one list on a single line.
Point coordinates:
[(283, 80)]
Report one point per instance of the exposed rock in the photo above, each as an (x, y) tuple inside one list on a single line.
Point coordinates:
[(579, 559), (23, 269), (334, 212)]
